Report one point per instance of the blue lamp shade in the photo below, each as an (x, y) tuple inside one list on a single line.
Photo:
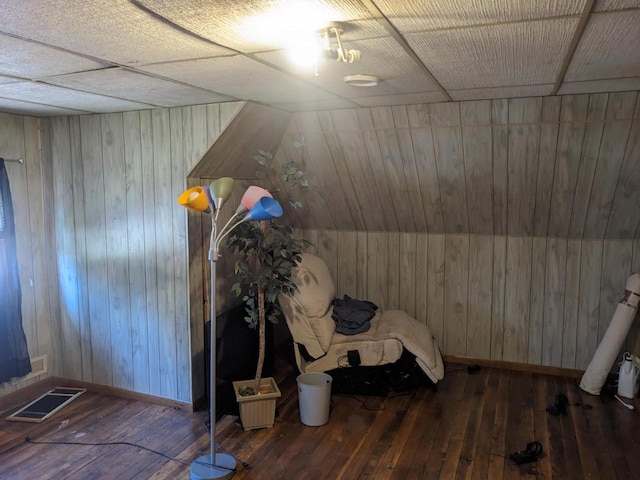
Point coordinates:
[(264, 209)]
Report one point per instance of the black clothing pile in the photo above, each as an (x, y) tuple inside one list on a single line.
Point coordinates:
[(352, 316)]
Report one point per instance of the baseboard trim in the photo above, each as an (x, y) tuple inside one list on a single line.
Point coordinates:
[(519, 367), (38, 388)]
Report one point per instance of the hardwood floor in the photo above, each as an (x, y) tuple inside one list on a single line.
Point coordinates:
[(464, 429)]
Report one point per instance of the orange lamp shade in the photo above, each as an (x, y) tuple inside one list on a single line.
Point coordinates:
[(195, 199)]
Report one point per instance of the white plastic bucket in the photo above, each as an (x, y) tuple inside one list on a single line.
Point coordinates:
[(314, 398)]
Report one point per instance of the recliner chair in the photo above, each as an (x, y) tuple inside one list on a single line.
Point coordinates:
[(319, 348)]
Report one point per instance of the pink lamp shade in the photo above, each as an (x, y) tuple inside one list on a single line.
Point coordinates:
[(194, 199), (250, 197)]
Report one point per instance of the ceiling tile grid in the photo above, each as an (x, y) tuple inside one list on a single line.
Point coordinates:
[(527, 53), (20, 107), (132, 54), (30, 60), (62, 97), (135, 86), (609, 48), (115, 31), (241, 78)]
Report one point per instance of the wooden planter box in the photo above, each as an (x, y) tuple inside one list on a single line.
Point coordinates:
[(258, 411)]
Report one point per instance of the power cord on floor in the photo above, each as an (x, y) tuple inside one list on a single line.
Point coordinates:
[(245, 465), (99, 444)]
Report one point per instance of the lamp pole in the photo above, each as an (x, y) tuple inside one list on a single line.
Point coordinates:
[(256, 204), (215, 465)]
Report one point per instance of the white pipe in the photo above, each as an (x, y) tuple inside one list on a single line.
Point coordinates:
[(606, 353)]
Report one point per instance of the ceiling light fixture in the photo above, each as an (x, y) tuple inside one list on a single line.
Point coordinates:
[(360, 80), (325, 43)]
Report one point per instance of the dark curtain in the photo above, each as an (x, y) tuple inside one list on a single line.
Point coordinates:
[(14, 356)]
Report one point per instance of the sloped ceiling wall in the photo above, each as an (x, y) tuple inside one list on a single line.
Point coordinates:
[(563, 166)]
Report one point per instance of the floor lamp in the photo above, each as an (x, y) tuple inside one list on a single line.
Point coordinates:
[(256, 204)]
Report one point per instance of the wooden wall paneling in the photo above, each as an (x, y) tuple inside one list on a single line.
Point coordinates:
[(314, 199), (312, 237), (352, 142), (378, 269), (335, 154), (571, 304), (478, 165), (445, 121), (480, 296), (409, 163), (588, 160), (39, 254), (327, 249), (587, 338), (347, 264), (546, 164), (498, 288), (436, 286), (555, 274), (393, 275), (197, 285), (180, 252), (401, 194), (571, 139), (52, 285), (165, 279), (115, 205), (616, 267), (427, 177), (374, 155), (425, 157), (500, 170), (318, 157), (96, 238), (80, 222), (407, 273), (135, 249), (361, 266), (524, 143), (536, 300), (72, 341), (614, 140), (625, 212), (422, 278), (456, 294), (516, 305), (151, 212)]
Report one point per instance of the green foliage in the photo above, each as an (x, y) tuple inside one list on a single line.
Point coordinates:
[(246, 391)]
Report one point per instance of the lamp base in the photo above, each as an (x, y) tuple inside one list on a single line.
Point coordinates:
[(202, 468)]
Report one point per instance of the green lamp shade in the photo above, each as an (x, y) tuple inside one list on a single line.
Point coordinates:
[(195, 199), (221, 190)]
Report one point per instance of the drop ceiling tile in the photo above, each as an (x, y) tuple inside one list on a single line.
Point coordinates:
[(382, 57), (501, 92), (241, 78), (137, 87), (419, 15), (115, 31), (63, 97), (604, 5), (254, 26), (333, 104), (26, 59), (19, 107), (9, 80), (526, 53), (607, 48), (402, 99), (609, 85)]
